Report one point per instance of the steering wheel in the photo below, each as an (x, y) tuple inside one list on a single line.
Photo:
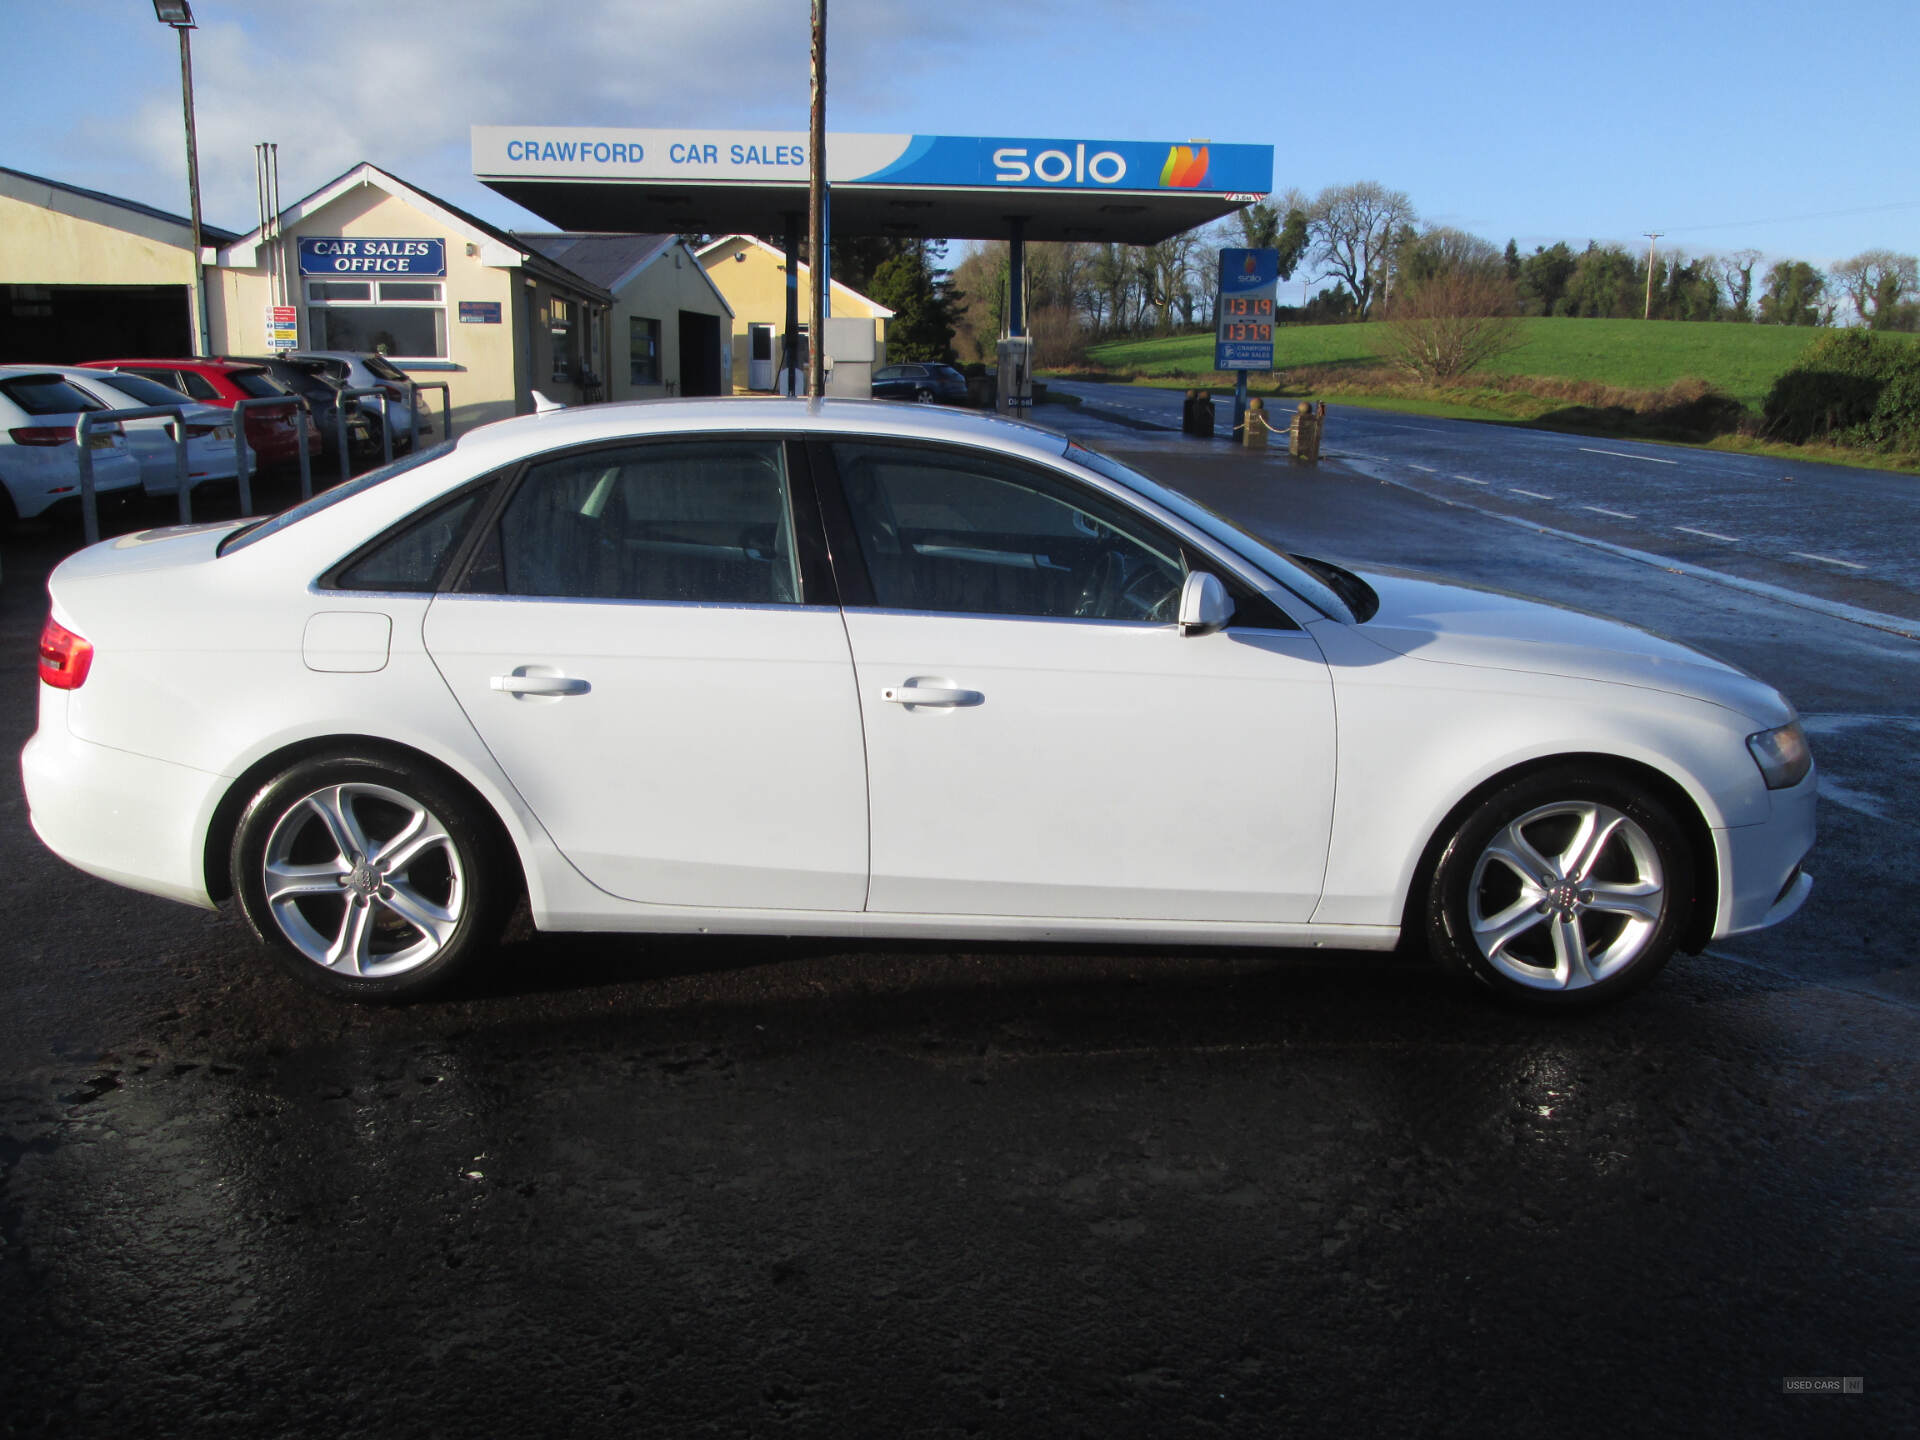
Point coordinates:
[(1129, 586)]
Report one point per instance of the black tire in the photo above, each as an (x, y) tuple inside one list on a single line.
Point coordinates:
[(1561, 939), (923, 397), (396, 931)]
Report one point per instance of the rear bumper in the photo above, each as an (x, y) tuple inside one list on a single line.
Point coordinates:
[(127, 818)]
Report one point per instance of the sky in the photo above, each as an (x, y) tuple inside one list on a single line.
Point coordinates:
[(1783, 127)]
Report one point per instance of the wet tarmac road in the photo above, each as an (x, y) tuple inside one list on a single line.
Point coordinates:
[(769, 1188), (1832, 531)]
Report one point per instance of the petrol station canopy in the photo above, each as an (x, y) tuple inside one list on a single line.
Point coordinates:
[(960, 187)]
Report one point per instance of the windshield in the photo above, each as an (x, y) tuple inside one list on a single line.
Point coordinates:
[(1247, 546), (261, 529)]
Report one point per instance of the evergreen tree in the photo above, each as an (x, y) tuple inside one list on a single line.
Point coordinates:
[(923, 301)]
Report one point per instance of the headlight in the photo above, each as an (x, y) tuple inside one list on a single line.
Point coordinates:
[(1782, 755)]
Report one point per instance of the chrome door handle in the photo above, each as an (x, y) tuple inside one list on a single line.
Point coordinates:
[(541, 684), (930, 695)]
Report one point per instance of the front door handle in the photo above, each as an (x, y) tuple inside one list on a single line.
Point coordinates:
[(942, 695), (541, 684)]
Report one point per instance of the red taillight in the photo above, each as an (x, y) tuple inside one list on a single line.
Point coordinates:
[(64, 657), (43, 434)]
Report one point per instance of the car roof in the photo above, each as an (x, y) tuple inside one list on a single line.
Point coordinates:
[(632, 419), (204, 365)]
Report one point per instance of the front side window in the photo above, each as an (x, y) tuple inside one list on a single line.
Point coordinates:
[(965, 532), (643, 351), (700, 522), (196, 385), (407, 318)]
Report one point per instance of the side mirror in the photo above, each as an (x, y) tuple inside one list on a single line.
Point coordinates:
[(1205, 605)]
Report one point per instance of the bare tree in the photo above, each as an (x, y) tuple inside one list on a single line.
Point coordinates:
[(1877, 281), (1736, 271), (1352, 227), (1451, 322)]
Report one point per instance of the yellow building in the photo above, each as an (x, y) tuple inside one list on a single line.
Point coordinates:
[(85, 275), (670, 331), (368, 262), (752, 275)]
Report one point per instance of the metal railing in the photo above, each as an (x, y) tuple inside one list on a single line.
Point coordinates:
[(240, 446), (82, 434), (341, 397)]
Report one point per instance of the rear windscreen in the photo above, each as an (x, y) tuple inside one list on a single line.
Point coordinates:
[(147, 392), (385, 370), (257, 383), (47, 395)]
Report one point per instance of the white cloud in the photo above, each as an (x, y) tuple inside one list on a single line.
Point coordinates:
[(400, 85)]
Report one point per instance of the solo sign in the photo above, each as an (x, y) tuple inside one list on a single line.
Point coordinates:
[(371, 255), (1249, 280)]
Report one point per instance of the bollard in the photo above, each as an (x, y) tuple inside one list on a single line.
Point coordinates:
[(1254, 433), (1303, 434)]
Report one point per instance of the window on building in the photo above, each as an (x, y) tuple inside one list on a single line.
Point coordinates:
[(560, 327), (406, 319), (644, 351)]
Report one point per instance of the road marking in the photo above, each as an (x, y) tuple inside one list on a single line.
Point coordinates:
[(1710, 534), (1617, 514), (1533, 494), (1827, 559), (1901, 625), (1470, 480), (1428, 468), (1622, 454)]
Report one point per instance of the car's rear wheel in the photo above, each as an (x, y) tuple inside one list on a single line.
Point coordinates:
[(368, 879), (1563, 890)]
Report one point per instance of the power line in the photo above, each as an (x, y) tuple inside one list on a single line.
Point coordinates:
[(1787, 219)]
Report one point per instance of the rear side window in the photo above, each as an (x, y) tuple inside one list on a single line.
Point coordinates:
[(701, 522), (413, 558), (48, 395), (198, 386), (256, 383)]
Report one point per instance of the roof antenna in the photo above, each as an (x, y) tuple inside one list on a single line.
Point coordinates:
[(544, 406)]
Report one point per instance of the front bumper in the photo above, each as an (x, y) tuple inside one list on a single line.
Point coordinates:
[(1762, 879)]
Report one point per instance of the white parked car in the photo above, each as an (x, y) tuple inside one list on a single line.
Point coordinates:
[(209, 429), (39, 451), (866, 669)]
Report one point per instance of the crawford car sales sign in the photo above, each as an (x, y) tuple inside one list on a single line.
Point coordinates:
[(371, 255)]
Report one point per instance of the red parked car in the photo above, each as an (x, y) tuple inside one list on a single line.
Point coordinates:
[(272, 432)]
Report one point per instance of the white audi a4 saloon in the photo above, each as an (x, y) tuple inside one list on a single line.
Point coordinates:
[(861, 669)]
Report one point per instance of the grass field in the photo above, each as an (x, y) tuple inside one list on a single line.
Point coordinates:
[(1740, 360)]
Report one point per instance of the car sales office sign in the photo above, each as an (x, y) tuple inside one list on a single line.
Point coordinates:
[(371, 255), (1249, 280)]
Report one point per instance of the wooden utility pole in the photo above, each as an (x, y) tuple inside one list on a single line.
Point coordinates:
[(1652, 235), (816, 208)]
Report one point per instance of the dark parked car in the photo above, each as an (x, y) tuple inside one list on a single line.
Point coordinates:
[(311, 381), (922, 381)]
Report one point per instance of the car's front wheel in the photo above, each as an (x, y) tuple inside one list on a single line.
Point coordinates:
[(1562, 890), (370, 880)]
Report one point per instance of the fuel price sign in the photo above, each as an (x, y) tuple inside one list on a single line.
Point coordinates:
[(1249, 280)]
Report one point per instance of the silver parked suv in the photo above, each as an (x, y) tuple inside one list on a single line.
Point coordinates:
[(365, 370)]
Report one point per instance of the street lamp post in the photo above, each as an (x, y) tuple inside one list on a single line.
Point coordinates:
[(179, 14)]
